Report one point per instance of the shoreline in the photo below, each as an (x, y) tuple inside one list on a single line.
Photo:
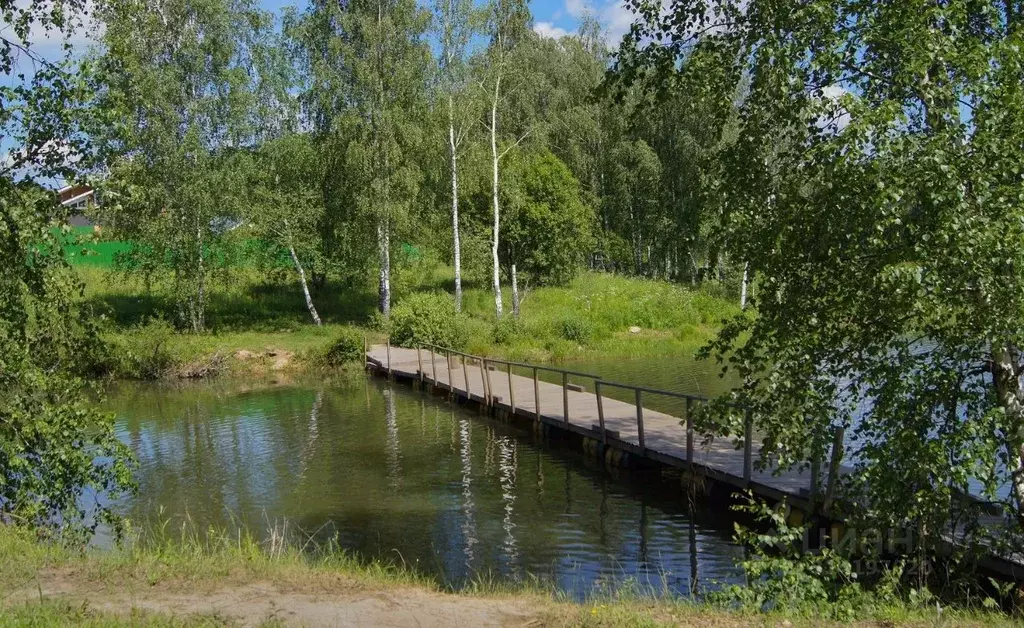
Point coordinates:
[(236, 580)]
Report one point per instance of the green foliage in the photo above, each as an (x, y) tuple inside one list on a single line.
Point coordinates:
[(781, 577), (346, 348), (575, 328), (172, 182), (55, 448), (506, 330), (427, 318), (143, 352), (874, 189), (546, 224)]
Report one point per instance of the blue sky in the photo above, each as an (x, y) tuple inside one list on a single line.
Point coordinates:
[(552, 18)]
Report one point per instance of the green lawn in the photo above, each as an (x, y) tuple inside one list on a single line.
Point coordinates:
[(259, 310)]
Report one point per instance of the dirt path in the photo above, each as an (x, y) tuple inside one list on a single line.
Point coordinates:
[(258, 603)]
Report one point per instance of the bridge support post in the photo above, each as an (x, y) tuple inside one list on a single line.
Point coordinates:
[(640, 420), (600, 414), (689, 436), (485, 379), (448, 360), (565, 397), (511, 391), (536, 393)]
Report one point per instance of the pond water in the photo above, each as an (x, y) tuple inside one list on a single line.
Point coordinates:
[(406, 477)]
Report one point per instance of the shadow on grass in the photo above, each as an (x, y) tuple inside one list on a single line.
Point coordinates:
[(263, 306)]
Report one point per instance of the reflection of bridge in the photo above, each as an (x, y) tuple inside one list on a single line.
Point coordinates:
[(625, 433), (628, 434)]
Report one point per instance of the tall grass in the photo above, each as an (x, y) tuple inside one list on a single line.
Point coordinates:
[(256, 310), (185, 560)]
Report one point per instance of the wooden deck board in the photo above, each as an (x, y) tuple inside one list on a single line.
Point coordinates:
[(664, 434)]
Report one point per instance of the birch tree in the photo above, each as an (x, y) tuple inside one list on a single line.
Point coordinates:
[(508, 25), (177, 94), (370, 98), (58, 450), (285, 204), (454, 23), (887, 136)]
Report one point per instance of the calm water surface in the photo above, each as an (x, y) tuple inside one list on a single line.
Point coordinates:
[(399, 475)]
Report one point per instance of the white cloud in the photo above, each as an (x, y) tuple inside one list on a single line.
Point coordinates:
[(613, 15), (48, 43), (838, 117), (617, 18), (577, 8), (549, 30)]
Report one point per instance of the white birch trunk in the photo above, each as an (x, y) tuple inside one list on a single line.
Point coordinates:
[(384, 249), (305, 288), (743, 287), (200, 316), (515, 294), (1009, 393), (452, 149), (496, 278)]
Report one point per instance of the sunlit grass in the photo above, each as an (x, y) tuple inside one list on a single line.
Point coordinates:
[(597, 314), (184, 559)]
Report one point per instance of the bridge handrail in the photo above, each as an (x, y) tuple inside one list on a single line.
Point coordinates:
[(748, 418), (656, 391), (541, 367)]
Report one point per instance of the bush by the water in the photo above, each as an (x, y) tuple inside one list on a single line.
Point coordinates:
[(346, 348), (575, 328), (506, 330), (426, 318), (143, 353)]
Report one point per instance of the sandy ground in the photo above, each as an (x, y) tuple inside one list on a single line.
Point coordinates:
[(256, 603)]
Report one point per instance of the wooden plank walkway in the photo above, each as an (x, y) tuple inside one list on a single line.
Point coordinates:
[(664, 435), (719, 459)]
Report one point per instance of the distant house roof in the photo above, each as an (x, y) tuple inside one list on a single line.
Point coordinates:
[(78, 199), (71, 195)]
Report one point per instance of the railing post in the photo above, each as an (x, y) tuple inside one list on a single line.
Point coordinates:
[(511, 391), (465, 376), (640, 419), (419, 362), (833, 468), (565, 396), (600, 413), (389, 357), (433, 366), (451, 379), (689, 434), (536, 393), (748, 445), (485, 381)]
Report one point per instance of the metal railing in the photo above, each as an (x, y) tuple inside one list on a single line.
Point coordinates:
[(638, 394), (485, 376)]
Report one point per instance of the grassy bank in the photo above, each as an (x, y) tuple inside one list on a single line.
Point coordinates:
[(258, 321), (220, 579)]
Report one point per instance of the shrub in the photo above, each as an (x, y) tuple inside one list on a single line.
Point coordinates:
[(576, 329), (506, 331), (427, 318), (143, 352), (347, 347)]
